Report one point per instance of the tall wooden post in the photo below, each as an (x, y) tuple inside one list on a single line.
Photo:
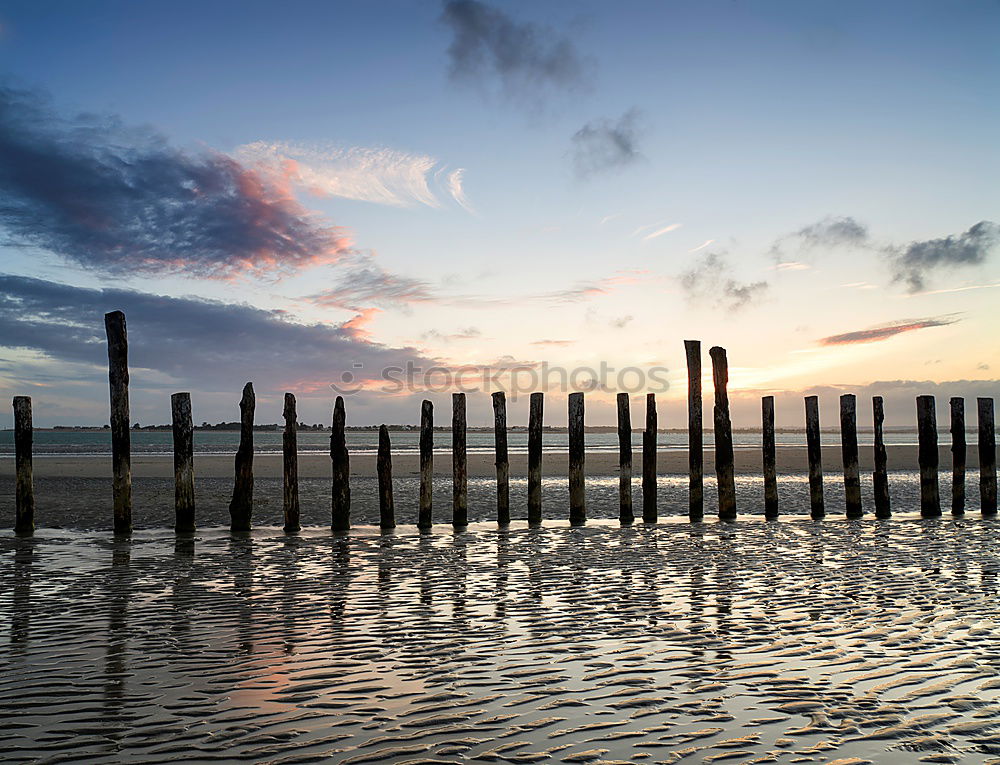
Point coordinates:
[(625, 514), (183, 432), (502, 464), (649, 462), (958, 454), (340, 462), (424, 520), (724, 469), (383, 465), (241, 505), (290, 453), (880, 478), (814, 448), (987, 457), (121, 445), (459, 464), (770, 462), (577, 494), (849, 450), (930, 498), (696, 487), (536, 405), (24, 496)]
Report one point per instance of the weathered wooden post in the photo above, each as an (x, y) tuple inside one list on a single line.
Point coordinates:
[(183, 432), (987, 457), (849, 450), (958, 454), (536, 405), (241, 505), (649, 462), (625, 514), (424, 520), (290, 473), (383, 465), (24, 496), (724, 469), (502, 464), (880, 477), (340, 462), (927, 455), (459, 463), (814, 449), (770, 465), (121, 445), (577, 494), (696, 488)]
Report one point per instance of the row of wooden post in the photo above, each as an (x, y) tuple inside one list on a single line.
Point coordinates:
[(241, 505)]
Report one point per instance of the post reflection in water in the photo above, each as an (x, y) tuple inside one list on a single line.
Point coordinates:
[(117, 715), (20, 617)]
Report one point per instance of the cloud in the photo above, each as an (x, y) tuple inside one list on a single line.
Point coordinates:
[(621, 322), (465, 333), (122, 201), (885, 331), (553, 343), (703, 245), (912, 263), (604, 145), (366, 284), (589, 289), (712, 279), (830, 233)]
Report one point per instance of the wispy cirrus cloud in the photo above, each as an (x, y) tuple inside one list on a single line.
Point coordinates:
[(886, 331), (365, 284)]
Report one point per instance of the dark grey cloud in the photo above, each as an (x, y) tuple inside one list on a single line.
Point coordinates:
[(605, 145), (711, 279), (885, 331), (121, 200), (829, 233), (913, 263)]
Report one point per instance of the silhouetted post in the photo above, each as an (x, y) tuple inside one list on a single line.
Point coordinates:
[(24, 497), (502, 464), (290, 452), (241, 506), (770, 468), (987, 457), (814, 449), (927, 455), (723, 436), (577, 495), (426, 465), (183, 431), (849, 450), (340, 461), (625, 514), (649, 462), (696, 488), (536, 405), (383, 464), (880, 478), (958, 453), (121, 445), (459, 464)]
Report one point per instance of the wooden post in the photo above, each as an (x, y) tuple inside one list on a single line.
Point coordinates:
[(24, 497), (121, 449), (649, 462), (770, 468), (880, 478), (183, 431), (987, 457), (814, 449), (340, 461), (290, 452), (930, 499), (383, 463), (723, 436), (536, 405), (241, 505), (958, 453), (459, 464), (849, 450), (625, 514), (426, 465), (502, 464), (577, 494), (696, 488)]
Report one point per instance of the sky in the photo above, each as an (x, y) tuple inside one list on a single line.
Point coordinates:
[(399, 200)]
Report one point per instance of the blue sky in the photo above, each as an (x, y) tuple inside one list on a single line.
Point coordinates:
[(571, 183)]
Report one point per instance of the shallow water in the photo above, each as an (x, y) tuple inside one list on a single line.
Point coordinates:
[(794, 641)]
